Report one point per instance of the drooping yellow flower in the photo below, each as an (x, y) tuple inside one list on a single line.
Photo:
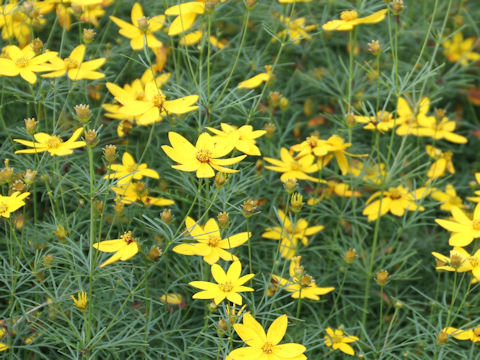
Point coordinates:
[(186, 14), (382, 121), (12, 203), (289, 234), (257, 80), (443, 162), (81, 302), (300, 284), (124, 248), (469, 334), (25, 62), (336, 339), (458, 49), (394, 200), (53, 144), (129, 170), (296, 30), (131, 192), (261, 346), (350, 19), (228, 286), (141, 30), (209, 243), (460, 260), (292, 168), (463, 229), (203, 157), (75, 67), (448, 198), (244, 137)]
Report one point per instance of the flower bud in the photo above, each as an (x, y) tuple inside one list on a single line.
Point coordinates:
[(397, 7), (119, 207), (47, 260), (154, 253), (31, 125), (18, 185), (382, 277), (290, 185), (220, 179), (82, 112), (166, 216), (110, 153), (374, 47), (284, 103), (270, 129), (88, 35), (29, 176), (37, 46), (222, 324), (350, 119), (440, 114), (223, 220), (250, 4), (91, 137), (296, 202), (350, 256), (274, 98), (248, 208)]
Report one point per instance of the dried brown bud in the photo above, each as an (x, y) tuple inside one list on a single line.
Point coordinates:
[(110, 153), (29, 176), (374, 47), (88, 35), (382, 277), (350, 256), (18, 185), (31, 125), (223, 219), (248, 208), (82, 112), (397, 7), (274, 98), (91, 137), (154, 253), (37, 46), (166, 216)]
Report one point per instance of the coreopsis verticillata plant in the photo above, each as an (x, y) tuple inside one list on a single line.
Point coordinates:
[(349, 19), (129, 170), (337, 340), (209, 243), (131, 192), (447, 198), (382, 121), (265, 346), (295, 30), (51, 143), (244, 139), (228, 286), (300, 284), (458, 49), (203, 157), (81, 301), (293, 168), (140, 31), (407, 116), (257, 80), (289, 234), (75, 67), (438, 127), (443, 162), (463, 229), (24, 62), (468, 334), (154, 106), (124, 248), (459, 260), (12, 203), (394, 200)]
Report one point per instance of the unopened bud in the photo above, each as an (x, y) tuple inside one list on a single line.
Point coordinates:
[(220, 179), (274, 98), (397, 7), (382, 277), (110, 153), (248, 208), (82, 112), (223, 219), (290, 185), (374, 47), (37, 46), (442, 337), (31, 125), (284, 103), (350, 119), (222, 324), (154, 253), (296, 202), (166, 216), (88, 35), (18, 185), (119, 207), (29, 176), (270, 129), (91, 137), (350, 256)]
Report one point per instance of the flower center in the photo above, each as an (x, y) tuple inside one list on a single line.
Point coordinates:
[(158, 100), (132, 168), (267, 348), (226, 287), (337, 339), (70, 63), (474, 261), (395, 194), (348, 15), (203, 155), (54, 142), (21, 62), (213, 241), (476, 224), (312, 141), (3, 207), (127, 237)]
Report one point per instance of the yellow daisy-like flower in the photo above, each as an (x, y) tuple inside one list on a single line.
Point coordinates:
[(296, 30), (458, 49), (370, 173), (261, 346), (210, 244), (336, 339), (186, 14), (228, 286), (289, 234), (75, 67), (195, 37), (336, 145), (124, 248), (382, 121), (292, 168), (53, 144), (136, 191), (459, 260), (12, 203), (439, 129), (448, 198), (129, 170), (24, 62), (407, 116), (350, 19), (81, 302), (257, 80), (244, 137), (203, 157), (463, 229), (469, 334), (443, 162), (141, 29)]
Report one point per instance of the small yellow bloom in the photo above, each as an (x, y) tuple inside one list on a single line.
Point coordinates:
[(469, 334), (350, 19), (336, 339), (382, 121), (172, 299), (81, 302), (407, 116), (3, 346), (439, 129), (257, 80), (463, 229), (186, 14), (129, 170), (292, 168), (195, 37), (228, 286), (124, 248), (459, 260), (245, 137), (53, 144), (443, 162), (9, 204), (448, 198), (458, 49), (296, 30), (136, 191)]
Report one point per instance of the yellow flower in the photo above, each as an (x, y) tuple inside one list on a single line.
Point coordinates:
[(394, 200), (228, 284), (53, 144), (336, 339), (186, 14), (124, 248), (289, 234), (195, 37), (244, 138), (300, 284), (374, 173), (9, 204), (296, 30), (382, 121), (448, 198), (136, 191), (263, 346), (476, 192), (3, 346), (460, 260), (470, 334), (463, 228), (335, 188), (203, 157), (350, 19), (210, 244), (75, 67), (24, 62), (82, 301), (129, 170), (438, 130), (293, 169), (443, 162), (407, 117), (459, 50), (336, 145), (141, 29), (257, 80), (172, 299)]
